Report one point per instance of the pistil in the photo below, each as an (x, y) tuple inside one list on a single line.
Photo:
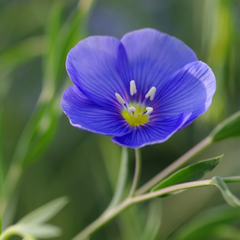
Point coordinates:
[(131, 109)]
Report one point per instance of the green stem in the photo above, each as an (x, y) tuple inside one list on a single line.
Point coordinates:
[(122, 178), (231, 179), (102, 220), (9, 232), (13, 230), (107, 216), (175, 165), (136, 174), (171, 189)]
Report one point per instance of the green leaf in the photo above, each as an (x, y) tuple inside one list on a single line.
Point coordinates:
[(54, 23), (52, 38), (190, 173), (226, 232), (2, 167), (29, 238), (33, 224), (37, 134), (41, 127), (15, 56), (228, 128), (38, 230), (61, 41), (227, 195), (45, 212), (204, 224), (22, 52)]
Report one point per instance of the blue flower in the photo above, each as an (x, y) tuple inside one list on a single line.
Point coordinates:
[(140, 90)]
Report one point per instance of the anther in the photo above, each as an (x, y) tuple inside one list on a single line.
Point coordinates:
[(133, 88), (119, 98), (131, 109), (149, 110), (151, 93)]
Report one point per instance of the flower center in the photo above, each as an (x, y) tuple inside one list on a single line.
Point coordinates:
[(136, 113)]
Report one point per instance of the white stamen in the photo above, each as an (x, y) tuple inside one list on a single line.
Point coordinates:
[(149, 110), (119, 98), (151, 93), (133, 88), (131, 109)]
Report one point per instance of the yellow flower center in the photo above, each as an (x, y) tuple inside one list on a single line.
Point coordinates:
[(136, 118), (134, 113)]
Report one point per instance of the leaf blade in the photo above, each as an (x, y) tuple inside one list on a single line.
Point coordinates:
[(190, 173), (45, 212), (231, 199), (202, 225), (230, 127), (39, 230)]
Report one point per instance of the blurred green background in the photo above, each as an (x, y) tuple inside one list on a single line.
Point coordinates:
[(49, 158)]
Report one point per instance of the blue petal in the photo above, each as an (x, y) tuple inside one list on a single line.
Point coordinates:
[(157, 132), (152, 57), (188, 90), (86, 115), (92, 66)]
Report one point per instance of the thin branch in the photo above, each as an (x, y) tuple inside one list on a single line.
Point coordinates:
[(175, 165), (136, 174), (107, 216)]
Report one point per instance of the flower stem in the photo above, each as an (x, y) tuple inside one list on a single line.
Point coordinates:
[(103, 219), (136, 174), (175, 165), (109, 215)]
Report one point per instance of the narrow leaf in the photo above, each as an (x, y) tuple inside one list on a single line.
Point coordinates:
[(228, 128), (2, 167), (190, 173), (227, 232), (227, 195), (29, 238), (204, 224), (39, 230), (45, 212), (37, 134), (22, 52)]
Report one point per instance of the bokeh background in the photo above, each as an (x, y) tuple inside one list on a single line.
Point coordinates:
[(49, 158)]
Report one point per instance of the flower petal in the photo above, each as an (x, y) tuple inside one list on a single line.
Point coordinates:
[(93, 68), (157, 132), (152, 58), (86, 115), (188, 90)]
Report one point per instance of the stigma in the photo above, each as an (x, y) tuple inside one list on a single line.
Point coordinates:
[(136, 112)]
